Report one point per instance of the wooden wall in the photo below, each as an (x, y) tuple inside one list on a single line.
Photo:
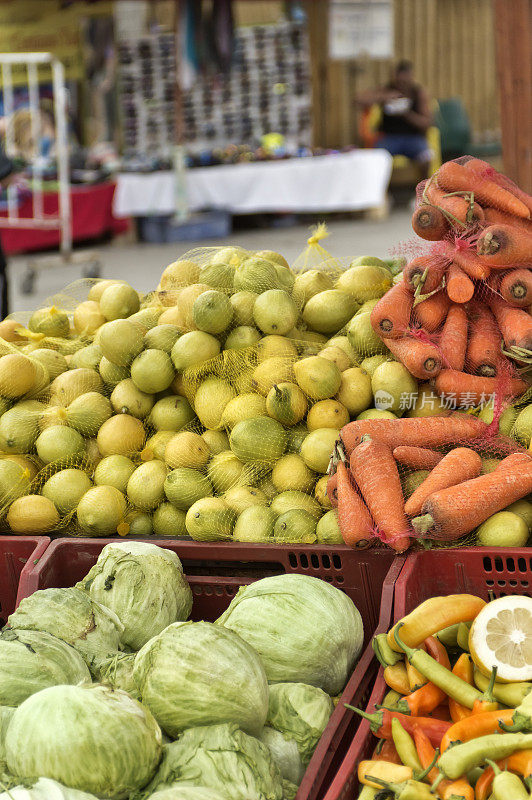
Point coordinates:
[(514, 61), (452, 45)]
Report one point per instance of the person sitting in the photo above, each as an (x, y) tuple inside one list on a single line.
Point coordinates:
[(405, 115)]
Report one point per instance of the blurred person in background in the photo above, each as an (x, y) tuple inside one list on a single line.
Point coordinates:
[(6, 174), (405, 115)]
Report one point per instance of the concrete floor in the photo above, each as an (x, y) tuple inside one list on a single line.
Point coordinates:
[(141, 264)]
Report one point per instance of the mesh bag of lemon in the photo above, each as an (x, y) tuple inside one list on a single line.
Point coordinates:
[(226, 387)]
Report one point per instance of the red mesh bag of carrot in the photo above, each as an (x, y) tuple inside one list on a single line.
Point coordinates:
[(446, 458)]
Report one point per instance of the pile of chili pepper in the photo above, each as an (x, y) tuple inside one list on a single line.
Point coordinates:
[(445, 730)]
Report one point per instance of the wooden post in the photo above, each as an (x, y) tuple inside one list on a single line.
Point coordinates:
[(513, 26)]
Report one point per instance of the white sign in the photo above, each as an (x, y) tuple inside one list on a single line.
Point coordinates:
[(360, 28)]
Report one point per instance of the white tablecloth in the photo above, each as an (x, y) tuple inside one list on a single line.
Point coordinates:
[(351, 181)]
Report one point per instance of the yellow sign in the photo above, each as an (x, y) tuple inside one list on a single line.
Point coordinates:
[(28, 26)]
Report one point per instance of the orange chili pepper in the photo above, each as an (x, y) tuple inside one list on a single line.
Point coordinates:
[(463, 669), (487, 702), (520, 762), (428, 696), (484, 783), (397, 678), (446, 789), (441, 712), (477, 725), (387, 752), (458, 790), (426, 752)]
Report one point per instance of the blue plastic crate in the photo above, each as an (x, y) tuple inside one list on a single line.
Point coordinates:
[(205, 225)]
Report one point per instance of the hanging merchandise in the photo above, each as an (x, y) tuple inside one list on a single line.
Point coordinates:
[(266, 90)]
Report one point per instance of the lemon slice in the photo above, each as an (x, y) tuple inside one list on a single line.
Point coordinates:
[(501, 636)]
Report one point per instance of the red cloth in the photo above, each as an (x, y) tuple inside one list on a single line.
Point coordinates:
[(92, 217)]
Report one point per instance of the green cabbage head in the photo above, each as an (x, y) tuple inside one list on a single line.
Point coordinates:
[(197, 673), (117, 672), (74, 617), (285, 754), (301, 713), (45, 789), (6, 712), (88, 737), (180, 791), (33, 660), (304, 629), (225, 758), (143, 584)]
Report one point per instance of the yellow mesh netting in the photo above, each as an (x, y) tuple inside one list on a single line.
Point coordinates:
[(207, 408)]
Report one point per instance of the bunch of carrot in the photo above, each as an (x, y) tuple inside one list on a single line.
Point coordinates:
[(365, 482), (444, 731), (457, 304)]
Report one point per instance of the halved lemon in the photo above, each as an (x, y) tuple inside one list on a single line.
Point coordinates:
[(501, 636)]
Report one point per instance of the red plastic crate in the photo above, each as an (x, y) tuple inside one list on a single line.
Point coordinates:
[(18, 555), (363, 575), (476, 570)]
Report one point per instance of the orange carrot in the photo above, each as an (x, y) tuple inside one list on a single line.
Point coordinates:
[(467, 259), (414, 431), (383, 494), (429, 223), (501, 246), (420, 358), (484, 355), (487, 171), (451, 512), (471, 390), (430, 313), (460, 464), (492, 216), (417, 457), (516, 287), (455, 178), (453, 338), (463, 669), (391, 316), (432, 266), (459, 212), (460, 288), (514, 324), (354, 520)]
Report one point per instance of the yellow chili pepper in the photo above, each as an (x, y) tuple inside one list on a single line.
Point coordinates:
[(397, 678), (385, 770), (435, 614)]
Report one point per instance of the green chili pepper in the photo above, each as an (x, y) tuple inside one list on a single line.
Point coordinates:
[(506, 784), (510, 694), (439, 675), (384, 653), (368, 793), (404, 744), (460, 758), (447, 636), (474, 774), (408, 790), (522, 719), (462, 636), (391, 699)]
